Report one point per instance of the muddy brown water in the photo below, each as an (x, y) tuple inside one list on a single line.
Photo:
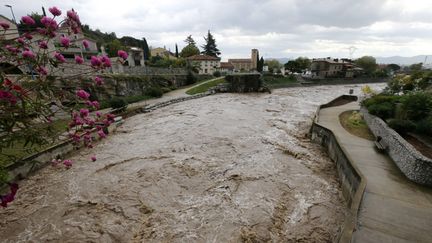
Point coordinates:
[(224, 168)]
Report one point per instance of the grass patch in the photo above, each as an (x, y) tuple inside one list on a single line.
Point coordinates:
[(354, 123), (279, 81), (205, 86)]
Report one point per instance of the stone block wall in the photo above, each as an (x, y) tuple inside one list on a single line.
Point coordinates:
[(412, 163)]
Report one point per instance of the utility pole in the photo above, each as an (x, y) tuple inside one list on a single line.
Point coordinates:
[(13, 15)]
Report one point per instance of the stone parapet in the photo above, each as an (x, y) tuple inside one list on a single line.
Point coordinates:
[(414, 165)]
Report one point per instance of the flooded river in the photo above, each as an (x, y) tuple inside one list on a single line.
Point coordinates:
[(224, 168)]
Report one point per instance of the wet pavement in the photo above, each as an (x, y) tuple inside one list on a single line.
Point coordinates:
[(224, 168)]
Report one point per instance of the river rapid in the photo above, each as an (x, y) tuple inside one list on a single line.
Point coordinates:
[(224, 168)]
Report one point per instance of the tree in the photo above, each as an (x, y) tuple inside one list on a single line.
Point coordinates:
[(189, 50), (416, 66), (303, 63), (146, 49), (261, 64), (113, 47), (368, 63), (190, 41), (298, 65), (176, 51), (393, 67), (293, 66), (210, 47), (273, 65)]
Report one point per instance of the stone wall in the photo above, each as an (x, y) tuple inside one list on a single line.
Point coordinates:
[(145, 70), (352, 180), (412, 163), (245, 82)]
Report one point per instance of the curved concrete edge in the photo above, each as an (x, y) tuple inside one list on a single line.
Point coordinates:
[(352, 180), (414, 165), (32, 163)]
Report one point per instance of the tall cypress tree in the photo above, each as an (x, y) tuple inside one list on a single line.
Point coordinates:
[(146, 50), (176, 53), (260, 65), (210, 46)]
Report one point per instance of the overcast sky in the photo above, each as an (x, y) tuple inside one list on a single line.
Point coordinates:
[(278, 28)]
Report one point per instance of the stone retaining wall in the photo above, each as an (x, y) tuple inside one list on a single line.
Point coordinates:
[(412, 163), (352, 180)]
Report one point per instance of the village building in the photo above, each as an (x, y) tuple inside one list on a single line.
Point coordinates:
[(322, 68), (245, 64), (206, 64), (226, 67), (162, 52), (12, 32), (135, 56)]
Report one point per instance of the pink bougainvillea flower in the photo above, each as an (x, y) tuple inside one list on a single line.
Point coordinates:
[(98, 114), (28, 36), (49, 23), (28, 20), (101, 134), (7, 198), (105, 61), (84, 112), (95, 104), (59, 57), (65, 41), (5, 26), (21, 41), (43, 45), (12, 49), (79, 60), (55, 11), (122, 54), (8, 97), (72, 15), (28, 55), (17, 88), (98, 80), (7, 82), (67, 163), (93, 158), (86, 44), (95, 62), (42, 71), (82, 94)]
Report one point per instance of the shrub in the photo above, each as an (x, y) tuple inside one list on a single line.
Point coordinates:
[(402, 126), (217, 73), (154, 92), (190, 78), (425, 126), (417, 105), (118, 103), (166, 89), (378, 99), (383, 110)]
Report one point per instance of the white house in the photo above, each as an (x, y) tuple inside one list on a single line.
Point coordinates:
[(205, 64)]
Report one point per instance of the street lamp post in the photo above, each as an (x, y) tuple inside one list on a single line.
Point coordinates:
[(13, 15)]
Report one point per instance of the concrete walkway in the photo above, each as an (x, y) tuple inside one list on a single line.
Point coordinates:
[(393, 209)]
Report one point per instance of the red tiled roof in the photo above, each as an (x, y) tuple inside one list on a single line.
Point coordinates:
[(226, 65), (203, 58), (240, 60)]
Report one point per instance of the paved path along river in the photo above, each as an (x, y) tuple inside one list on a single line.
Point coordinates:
[(223, 168), (393, 209)]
